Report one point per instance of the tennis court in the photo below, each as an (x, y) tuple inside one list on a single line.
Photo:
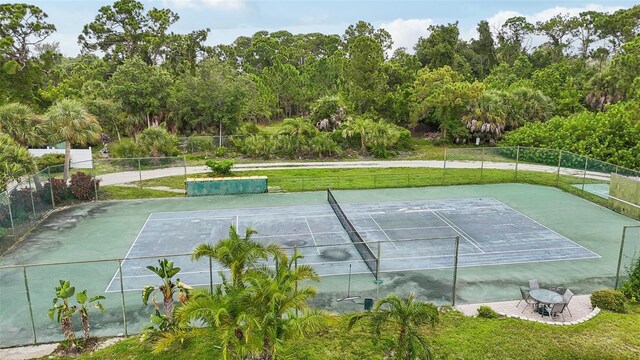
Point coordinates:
[(411, 235), (508, 234)]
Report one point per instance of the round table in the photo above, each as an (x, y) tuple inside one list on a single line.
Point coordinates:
[(546, 296)]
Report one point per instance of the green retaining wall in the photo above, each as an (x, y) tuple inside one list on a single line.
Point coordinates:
[(226, 186), (626, 191)]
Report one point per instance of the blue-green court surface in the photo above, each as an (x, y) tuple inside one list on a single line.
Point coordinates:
[(508, 234)]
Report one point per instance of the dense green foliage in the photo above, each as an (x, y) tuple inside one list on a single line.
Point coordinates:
[(608, 299), (135, 74), (221, 168), (613, 135), (631, 287)]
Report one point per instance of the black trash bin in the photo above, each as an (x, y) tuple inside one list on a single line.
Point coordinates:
[(368, 304)]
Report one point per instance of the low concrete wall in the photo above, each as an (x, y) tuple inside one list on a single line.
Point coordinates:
[(226, 186), (80, 158)]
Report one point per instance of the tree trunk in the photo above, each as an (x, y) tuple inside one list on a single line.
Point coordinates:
[(85, 324), (67, 329), (67, 160), (168, 309)]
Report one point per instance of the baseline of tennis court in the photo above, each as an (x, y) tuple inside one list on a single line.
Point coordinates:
[(403, 235)]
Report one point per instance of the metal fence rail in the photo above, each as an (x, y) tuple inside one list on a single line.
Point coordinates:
[(28, 201), (27, 290)]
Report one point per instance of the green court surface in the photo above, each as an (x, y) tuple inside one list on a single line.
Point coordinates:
[(552, 220)]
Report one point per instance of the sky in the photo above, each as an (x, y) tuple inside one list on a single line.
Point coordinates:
[(406, 20)]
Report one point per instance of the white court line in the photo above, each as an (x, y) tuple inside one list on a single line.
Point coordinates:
[(312, 237), (553, 231), (459, 231), (130, 248), (237, 222), (292, 235), (193, 218), (385, 234), (412, 228)]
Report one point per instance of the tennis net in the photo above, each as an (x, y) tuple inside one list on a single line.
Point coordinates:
[(370, 259)]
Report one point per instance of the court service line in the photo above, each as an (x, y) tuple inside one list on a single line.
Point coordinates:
[(553, 231), (459, 231), (312, 237), (385, 234), (128, 252), (194, 218)]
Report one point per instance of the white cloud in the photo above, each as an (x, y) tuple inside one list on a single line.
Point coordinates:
[(405, 33), (216, 4), (499, 18)]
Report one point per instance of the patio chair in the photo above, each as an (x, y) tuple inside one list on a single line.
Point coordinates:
[(527, 299), (533, 284), (555, 309), (566, 298)]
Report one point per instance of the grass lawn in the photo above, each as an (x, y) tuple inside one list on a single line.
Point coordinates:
[(607, 336), (291, 180)]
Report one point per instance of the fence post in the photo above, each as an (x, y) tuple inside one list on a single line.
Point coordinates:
[(624, 232), (559, 163), (455, 271), (210, 276), (95, 185), (26, 288), (124, 306), (295, 261), (184, 159), (481, 165), (13, 229), (444, 167), (517, 160), (33, 204), (53, 201), (584, 175), (140, 172)]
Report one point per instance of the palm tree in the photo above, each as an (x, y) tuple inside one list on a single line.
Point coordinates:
[(358, 127), (323, 143), (405, 317), (235, 253), (229, 312), (299, 130), (15, 161), (69, 121), (22, 124), (158, 141), (278, 301), (166, 271)]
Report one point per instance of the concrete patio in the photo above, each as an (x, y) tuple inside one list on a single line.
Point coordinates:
[(580, 307)]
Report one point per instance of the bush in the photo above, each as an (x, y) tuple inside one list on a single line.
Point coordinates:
[(49, 160), (222, 168), (125, 148), (608, 299), (631, 287), (83, 186), (21, 205), (60, 191), (487, 312)]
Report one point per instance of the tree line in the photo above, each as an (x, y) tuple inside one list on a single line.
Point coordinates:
[(134, 73)]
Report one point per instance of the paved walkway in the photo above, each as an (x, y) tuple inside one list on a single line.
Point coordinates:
[(131, 176), (580, 307)]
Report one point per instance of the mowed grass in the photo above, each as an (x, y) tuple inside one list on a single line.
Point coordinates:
[(607, 336), (291, 180)]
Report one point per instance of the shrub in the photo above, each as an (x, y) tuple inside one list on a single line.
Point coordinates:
[(487, 312), (48, 160), (608, 299), (21, 205), (631, 287), (60, 191), (125, 148), (220, 167), (83, 186)]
